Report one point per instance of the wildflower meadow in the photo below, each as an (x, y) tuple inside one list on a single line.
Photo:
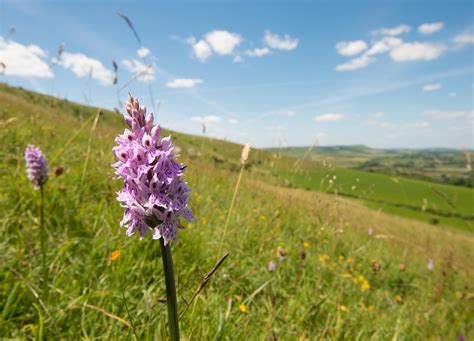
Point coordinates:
[(300, 264), (236, 171)]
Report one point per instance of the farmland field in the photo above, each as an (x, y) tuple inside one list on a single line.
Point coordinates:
[(324, 283), (427, 201)]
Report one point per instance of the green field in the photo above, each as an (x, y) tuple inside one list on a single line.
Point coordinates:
[(325, 287), (440, 165), (430, 202)]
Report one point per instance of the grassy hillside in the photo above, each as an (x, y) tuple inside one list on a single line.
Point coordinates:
[(325, 285)]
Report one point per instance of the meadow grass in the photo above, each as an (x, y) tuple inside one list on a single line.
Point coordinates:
[(325, 286)]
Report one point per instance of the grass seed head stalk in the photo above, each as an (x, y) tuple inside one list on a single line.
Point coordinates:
[(243, 159)]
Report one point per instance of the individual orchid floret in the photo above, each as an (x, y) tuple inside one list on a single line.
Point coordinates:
[(36, 166), (154, 195)]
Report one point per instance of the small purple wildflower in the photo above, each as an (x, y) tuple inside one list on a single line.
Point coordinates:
[(36, 166), (430, 264), (154, 195), (272, 266)]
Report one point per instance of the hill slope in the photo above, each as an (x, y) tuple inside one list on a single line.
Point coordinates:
[(324, 284)]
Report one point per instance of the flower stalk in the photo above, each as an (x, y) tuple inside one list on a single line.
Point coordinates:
[(43, 242), (171, 300)]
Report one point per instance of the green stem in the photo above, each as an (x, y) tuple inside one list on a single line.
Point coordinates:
[(42, 239), (170, 291)]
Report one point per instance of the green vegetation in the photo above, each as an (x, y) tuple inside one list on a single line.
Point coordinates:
[(327, 283), (433, 203), (448, 166)]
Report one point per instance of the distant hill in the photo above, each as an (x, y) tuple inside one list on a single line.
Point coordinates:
[(444, 165)]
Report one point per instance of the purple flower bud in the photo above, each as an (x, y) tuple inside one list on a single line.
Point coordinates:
[(154, 195), (36, 166)]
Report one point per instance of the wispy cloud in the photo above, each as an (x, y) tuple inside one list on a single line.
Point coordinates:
[(430, 28), (417, 51), (384, 45), (356, 63), (329, 117), (432, 87), (145, 73), (206, 119), (183, 83), (24, 60), (143, 52), (351, 48), (258, 52), (448, 114), (463, 39), (277, 42), (394, 31), (82, 65)]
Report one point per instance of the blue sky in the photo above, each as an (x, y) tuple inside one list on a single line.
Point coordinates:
[(379, 73)]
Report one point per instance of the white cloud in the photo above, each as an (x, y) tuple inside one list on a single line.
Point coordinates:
[(238, 59), (383, 45), (387, 125), (416, 51), (276, 42), (206, 119), (223, 42), (355, 64), (289, 113), (351, 48), (431, 87), (201, 49), (146, 72), (417, 125), (394, 31), (24, 60), (430, 28), (82, 65), (464, 39), (233, 121), (448, 114), (258, 52), (276, 127), (329, 117), (378, 114), (143, 52), (184, 83), (217, 41)]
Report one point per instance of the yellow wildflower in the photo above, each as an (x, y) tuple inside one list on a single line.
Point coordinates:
[(341, 258), (364, 286), (115, 255), (361, 278), (343, 308), (305, 245), (398, 298), (370, 308), (242, 308), (323, 258)]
